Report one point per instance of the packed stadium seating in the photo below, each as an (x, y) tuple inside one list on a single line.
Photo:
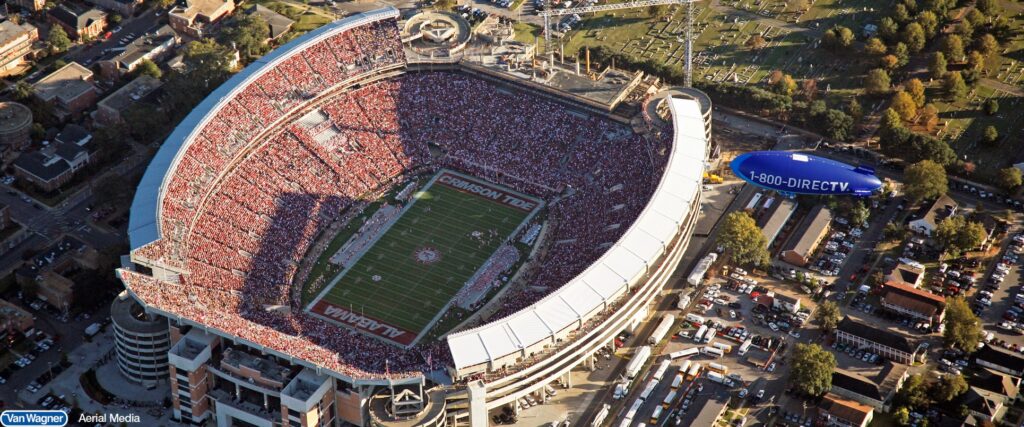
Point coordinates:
[(252, 192)]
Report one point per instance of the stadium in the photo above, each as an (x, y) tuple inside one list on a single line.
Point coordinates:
[(340, 234)]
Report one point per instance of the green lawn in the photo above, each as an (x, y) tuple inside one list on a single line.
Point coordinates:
[(388, 283)]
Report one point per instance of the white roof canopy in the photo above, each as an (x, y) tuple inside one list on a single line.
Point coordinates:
[(623, 265)]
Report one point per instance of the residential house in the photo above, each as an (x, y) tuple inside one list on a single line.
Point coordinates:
[(125, 8), (837, 411), (278, 23), (29, 5), (1000, 360), (16, 45), (74, 134), (916, 303), (13, 319), (785, 303), (906, 274), (69, 90), (805, 239), (78, 22), (876, 392), (774, 218), (197, 16), (890, 345), (153, 45), (928, 217), (110, 110), (52, 166)]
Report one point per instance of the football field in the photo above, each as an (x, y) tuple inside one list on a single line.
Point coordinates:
[(400, 284)]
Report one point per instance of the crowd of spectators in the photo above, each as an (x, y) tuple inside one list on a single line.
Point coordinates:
[(242, 247)]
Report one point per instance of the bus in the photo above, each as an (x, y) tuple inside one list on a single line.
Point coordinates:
[(697, 337), (684, 353), (662, 368), (745, 346), (685, 367), (655, 415), (631, 413), (713, 352), (663, 329), (710, 335), (648, 390), (722, 346), (668, 399), (677, 381), (693, 372), (637, 362), (718, 367)]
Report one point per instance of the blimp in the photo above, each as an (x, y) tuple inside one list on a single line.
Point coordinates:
[(799, 173)]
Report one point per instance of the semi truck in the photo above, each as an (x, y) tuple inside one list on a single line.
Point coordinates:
[(663, 329)]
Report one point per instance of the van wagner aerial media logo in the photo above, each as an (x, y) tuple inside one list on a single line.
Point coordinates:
[(27, 418)]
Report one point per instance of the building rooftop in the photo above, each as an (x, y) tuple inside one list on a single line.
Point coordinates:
[(74, 134), (845, 409), (914, 299), (131, 93), (14, 116), (194, 8), (711, 410), (76, 17), (142, 45), (880, 336), (856, 383), (776, 216), (938, 210), (67, 83), (9, 31), (806, 235), (278, 23), (999, 357)]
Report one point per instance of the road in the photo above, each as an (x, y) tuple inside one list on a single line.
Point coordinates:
[(136, 25)]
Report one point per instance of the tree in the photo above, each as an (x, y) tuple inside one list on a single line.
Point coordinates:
[(902, 416), (937, 65), (837, 38), (785, 85), (965, 30), (915, 89), (811, 369), (148, 68), (838, 124), (975, 17), (115, 19), (801, 5), (888, 29), (208, 62), (890, 122), (968, 167), (948, 387), (914, 37), (1009, 178), (900, 13), (23, 90), (925, 180), (987, 45), (902, 53), (828, 316), (952, 46), (963, 328), (929, 22), (659, 11), (445, 4), (248, 34), (164, 4), (742, 238), (756, 42), (958, 235), (889, 62), (874, 46), (975, 61), (914, 392), (58, 39), (991, 107), (990, 135), (988, 7), (954, 85), (929, 117), (854, 109), (904, 105), (858, 213), (877, 82), (809, 88)]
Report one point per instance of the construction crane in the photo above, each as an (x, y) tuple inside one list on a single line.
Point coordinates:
[(547, 14)]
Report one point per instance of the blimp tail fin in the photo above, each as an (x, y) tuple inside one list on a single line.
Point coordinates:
[(866, 170)]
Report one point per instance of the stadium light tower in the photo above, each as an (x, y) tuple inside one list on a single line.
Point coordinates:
[(547, 14)]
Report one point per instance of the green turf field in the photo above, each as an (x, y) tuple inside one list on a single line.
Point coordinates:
[(390, 285)]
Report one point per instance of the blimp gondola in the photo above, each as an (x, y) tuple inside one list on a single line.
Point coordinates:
[(799, 173)]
